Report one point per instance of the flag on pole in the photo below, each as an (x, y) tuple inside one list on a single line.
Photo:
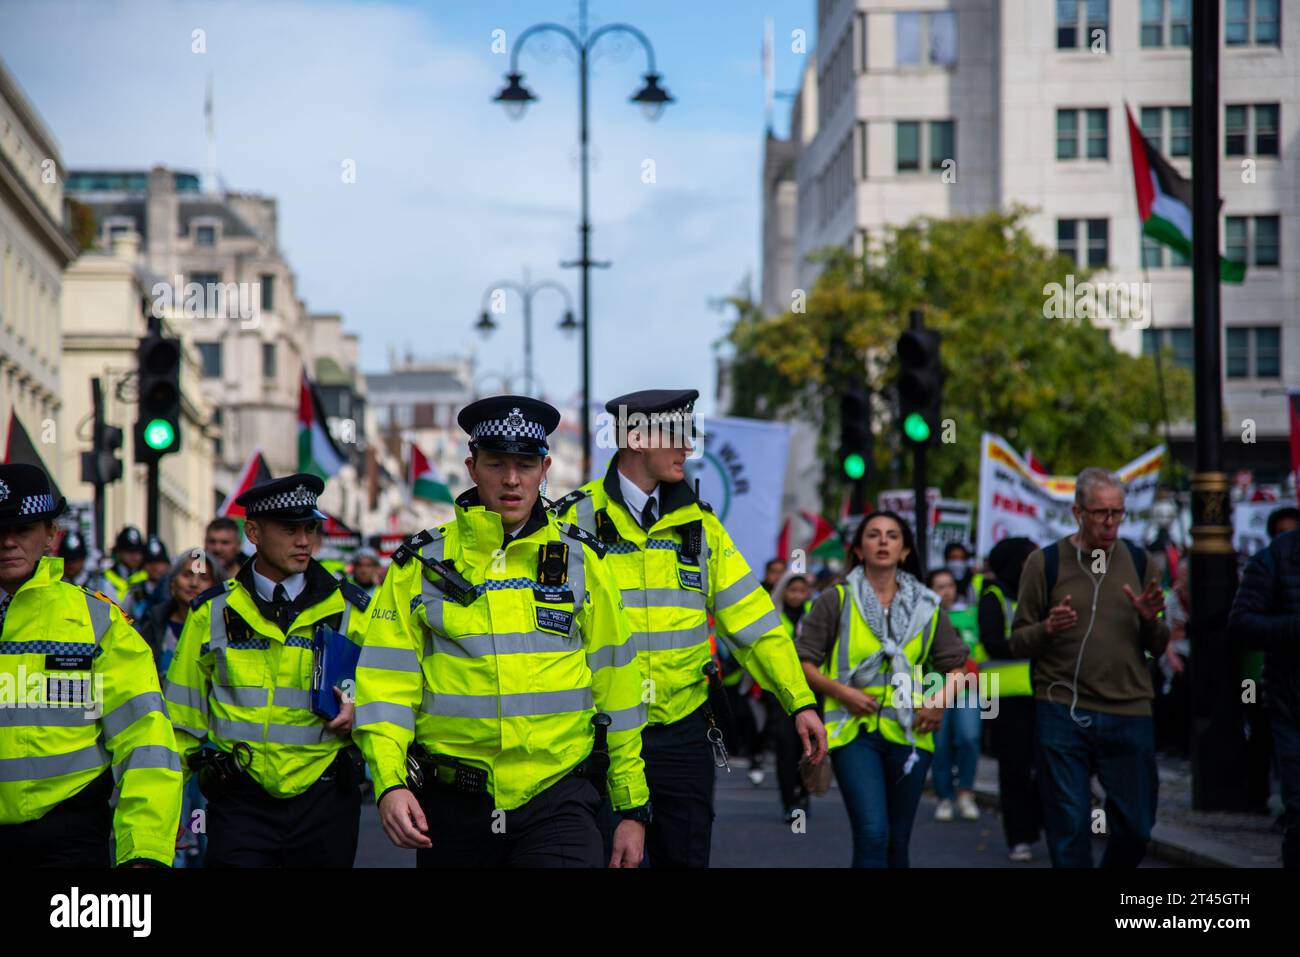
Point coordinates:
[(809, 532), (1164, 201), (317, 453), (1293, 413), (255, 470), (425, 480), (21, 450)]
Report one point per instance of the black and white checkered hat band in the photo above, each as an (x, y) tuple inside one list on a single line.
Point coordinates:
[(301, 497), (36, 504), (505, 429)]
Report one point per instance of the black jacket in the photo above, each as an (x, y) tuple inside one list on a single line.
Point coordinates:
[(1266, 617), (153, 627)]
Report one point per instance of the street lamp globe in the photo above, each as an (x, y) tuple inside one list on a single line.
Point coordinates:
[(515, 97), (568, 325), (652, 97), (485, 324)]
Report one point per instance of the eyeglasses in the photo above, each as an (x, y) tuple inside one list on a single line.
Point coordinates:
[(1106, 514)]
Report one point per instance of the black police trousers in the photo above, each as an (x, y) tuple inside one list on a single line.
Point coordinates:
[(556, 828), (248, 827), (74, 833), (680, 772)]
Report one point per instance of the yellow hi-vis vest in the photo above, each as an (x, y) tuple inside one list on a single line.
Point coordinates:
[(854, 643), (122, 585), (510, 681), (1014, 679), (236, 677), (78, 693), (668, 595)]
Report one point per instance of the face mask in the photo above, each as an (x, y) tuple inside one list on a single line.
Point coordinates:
[(958, 568)]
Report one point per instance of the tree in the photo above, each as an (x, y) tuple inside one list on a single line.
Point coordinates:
[(1011, 367)]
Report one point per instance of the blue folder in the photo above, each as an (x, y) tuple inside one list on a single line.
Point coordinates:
[(334, 665)]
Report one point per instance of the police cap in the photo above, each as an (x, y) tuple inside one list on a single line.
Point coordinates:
[(664, 408), (129, 539), (26, 496), (516, 424), (289, 499)]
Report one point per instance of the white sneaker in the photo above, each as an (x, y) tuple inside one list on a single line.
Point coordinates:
[(1021, 854), (756, 777), (944, 811), (969, 809)]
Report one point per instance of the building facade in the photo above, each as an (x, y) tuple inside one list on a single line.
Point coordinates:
[(34, 251), (955, 107)]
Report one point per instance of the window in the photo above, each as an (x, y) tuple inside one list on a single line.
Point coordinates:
[(268, 360), (1240, 122), (210, 355), (1179, 340), (1095, 135), (205, 279), (925, 39), (268, 291), (1086, 241), (205, 235), (1156, 255), (1177, 120), (217, 427), (1254, 352), (909, 146), (1166, 22), (862, 147), (1081, 23), (1252, 23), (1259, 235), (943, 143)]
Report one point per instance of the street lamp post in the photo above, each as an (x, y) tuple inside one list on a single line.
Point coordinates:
[(525, 290), (652, 98)]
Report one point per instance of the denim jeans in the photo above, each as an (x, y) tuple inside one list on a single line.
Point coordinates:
[(880, 799), (1120, 750), (957, 742), (1286, 746)]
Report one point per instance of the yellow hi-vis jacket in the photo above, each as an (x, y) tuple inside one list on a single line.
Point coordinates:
[(237, 677), (1014, 676), (122, 584), (669, 592), (78, 693), (509, 681), (854, 644)]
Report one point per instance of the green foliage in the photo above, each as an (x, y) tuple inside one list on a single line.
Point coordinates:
[(82, 225), (1056, 385)]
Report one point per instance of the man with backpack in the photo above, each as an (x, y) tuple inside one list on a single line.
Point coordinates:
[(1089, 608)]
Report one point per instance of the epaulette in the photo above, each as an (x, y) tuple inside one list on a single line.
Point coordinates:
[(411, 547), (355, 594), (95, 593), (207, 595), (704, 505), (579, 535), (562, 505)]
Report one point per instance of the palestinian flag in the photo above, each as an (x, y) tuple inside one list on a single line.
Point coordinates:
[(317, 453), (1164, 201), (20, 450), (255, 470), (809, 533), (425, 480)]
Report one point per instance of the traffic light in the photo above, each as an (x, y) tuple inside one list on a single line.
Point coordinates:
[(856, 441), (920, 385), (101, 466), (157, 426)]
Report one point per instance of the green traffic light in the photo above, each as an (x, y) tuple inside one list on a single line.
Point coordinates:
[(855, 466), (916, 428), (159, 434)]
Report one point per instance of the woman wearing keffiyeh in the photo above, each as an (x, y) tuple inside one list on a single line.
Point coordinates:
[(865, 645)]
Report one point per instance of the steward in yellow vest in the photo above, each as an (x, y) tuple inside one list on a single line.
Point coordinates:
[(282, 782), (675, 563), (127, 570), (86, 750), (499, 681)]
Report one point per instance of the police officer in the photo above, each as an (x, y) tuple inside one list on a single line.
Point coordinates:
[(283, 784), (675, 563), (91, 753), (127, 569), (498, 645), (72, 549), (148, 594)]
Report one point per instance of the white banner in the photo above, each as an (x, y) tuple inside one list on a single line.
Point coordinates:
[(1017, 502), (740, 464), (949, 519)]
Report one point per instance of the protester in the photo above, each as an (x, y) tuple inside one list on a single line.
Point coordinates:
[(1173, 702), (863, 644), (1091, 686), (1265, 617), (957, 741), (1009, 682), (772, 572), (366, 571), (222, 540), (148, 594), (956, 558), (193, 571), (790, 596)]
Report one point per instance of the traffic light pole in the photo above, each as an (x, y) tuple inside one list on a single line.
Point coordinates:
[(151, 500), (97, 430), (920, 483)]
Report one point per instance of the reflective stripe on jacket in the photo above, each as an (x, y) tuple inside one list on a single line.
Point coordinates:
[(1014, 679)]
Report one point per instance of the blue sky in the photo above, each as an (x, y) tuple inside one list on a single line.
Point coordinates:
[(450, 195)]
